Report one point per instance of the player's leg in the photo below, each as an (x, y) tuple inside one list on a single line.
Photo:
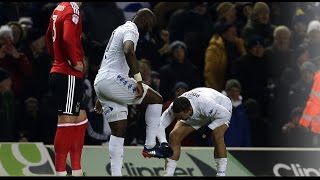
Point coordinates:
[(220, 150), (61, 86), (80, 127), (118, 126), (117, 118), (152, 116), (116, 113), (219, 127), (178, 133)]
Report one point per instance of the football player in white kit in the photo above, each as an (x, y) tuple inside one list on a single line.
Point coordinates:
[(193, 109), (116, 90)]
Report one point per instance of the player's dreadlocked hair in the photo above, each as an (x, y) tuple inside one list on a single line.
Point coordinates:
[(181, 104)]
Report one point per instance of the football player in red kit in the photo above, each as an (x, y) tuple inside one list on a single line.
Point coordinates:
[(63, 40)]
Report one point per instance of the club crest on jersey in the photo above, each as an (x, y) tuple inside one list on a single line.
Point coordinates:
[(75, 18)]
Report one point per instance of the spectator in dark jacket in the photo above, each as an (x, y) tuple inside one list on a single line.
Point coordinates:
[(250, 70), (259, 24), (194, 27), (179, 69)]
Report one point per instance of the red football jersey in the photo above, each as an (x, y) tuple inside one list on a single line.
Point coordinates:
[(63, 38)]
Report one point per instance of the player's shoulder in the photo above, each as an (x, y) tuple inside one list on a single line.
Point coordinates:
[(68, 8), (129, 26)]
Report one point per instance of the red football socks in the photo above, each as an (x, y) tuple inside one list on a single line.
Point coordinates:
[(77, 145), (62, 145)]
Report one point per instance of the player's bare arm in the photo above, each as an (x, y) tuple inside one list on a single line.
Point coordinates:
[(128, 49)]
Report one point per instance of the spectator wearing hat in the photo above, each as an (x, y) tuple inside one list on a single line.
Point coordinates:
[(239, 131), (313, 38), (251, 70), (7, 108), (194, 27), (179, 69), (178, 89), (224, 49), (259, 24)]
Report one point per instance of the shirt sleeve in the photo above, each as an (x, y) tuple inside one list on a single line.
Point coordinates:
[(131, 35), (72, 39)]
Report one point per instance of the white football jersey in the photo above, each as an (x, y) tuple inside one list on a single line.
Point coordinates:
[(207, 103), (114, 60)]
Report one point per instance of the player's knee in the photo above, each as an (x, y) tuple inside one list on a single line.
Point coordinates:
[(82, 116), (118, 124), (67, 119)]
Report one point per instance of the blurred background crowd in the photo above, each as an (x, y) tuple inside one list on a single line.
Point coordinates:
[(263, 55)]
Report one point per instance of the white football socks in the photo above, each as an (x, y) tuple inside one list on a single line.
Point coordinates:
[(221, 165), (170, 167), (77, 172), (152, 116), (116, 155), (61, 173)]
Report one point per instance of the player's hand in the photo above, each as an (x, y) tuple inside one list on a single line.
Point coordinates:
[(139, 90), (98, 107), (78, 67)]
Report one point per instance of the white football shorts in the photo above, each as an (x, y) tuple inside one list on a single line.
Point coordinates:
[(115, 93)]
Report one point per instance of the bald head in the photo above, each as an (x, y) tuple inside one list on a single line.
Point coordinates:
[(145, 12), (145, 20)]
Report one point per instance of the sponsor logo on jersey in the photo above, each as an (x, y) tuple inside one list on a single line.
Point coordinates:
[(60, 8)]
